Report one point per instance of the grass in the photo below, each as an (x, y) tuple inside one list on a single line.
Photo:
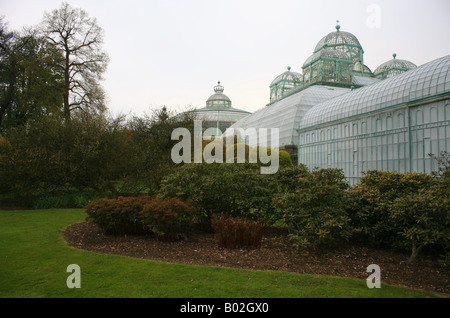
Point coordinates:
[(34, 258)]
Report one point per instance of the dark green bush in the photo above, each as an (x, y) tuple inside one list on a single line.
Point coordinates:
[(65, 200), (371, 198), (314, 207), (235, 189), (119, 216), (237, 232), (423, 218), (168, 218)]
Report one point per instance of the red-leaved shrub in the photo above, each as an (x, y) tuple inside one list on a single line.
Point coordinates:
[(169, 219), (238, 232), (119, 216)]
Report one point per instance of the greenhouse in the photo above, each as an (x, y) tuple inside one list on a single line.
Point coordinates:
[(218, 114), (338, 113), (392, 125)]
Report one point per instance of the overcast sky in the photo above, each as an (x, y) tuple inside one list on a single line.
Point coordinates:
[(173, 52)]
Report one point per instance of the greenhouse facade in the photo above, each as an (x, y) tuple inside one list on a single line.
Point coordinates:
[(392, 125), (337, 113), (218, 114)]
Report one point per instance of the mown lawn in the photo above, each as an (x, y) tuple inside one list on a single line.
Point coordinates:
[(34, 258)]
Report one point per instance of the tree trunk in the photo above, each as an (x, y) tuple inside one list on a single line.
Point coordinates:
[(6, 103), (66, 87), (415, 252)]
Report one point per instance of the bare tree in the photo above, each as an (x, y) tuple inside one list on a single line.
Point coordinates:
[(79, 38)]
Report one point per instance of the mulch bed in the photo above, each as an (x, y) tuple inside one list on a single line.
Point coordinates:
[(276, 253)]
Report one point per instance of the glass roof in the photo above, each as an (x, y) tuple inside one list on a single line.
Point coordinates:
[(427, 80), (286, 114), (394, 64)]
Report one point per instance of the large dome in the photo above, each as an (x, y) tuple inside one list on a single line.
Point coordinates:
[(393, 67), (342, 41)]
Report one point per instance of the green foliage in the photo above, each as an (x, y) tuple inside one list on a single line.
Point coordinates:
[(169, 218), (289, 179), (31, 87), (314, 206), (423, 217), (234, 189), (119, 216), (371, 198), (238, 232), (65, 200), (443, 162), (110, 156)]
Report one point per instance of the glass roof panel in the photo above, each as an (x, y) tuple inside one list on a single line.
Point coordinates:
[(403, 88), (287, 113)]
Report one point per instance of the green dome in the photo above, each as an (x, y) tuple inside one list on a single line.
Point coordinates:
[(342, 41), (393, 67), (219, 99)]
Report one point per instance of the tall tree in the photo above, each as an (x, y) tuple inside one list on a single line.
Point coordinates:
[(80, 39), (29, 85)]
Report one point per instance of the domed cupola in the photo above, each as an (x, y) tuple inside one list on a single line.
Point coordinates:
[(284, 83), (218, 99), (342, 41), (393, 67)]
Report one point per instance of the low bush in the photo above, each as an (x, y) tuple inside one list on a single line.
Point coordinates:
[(119, 216), (64, 200), (238, 232), (169, 219)]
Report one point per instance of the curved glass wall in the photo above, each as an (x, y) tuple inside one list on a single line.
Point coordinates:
[(392, 125)]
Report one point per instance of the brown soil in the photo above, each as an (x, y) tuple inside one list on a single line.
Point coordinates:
[(276, 253)]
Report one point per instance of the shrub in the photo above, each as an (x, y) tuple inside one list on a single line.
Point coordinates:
[(314, 208), (169, 219), (235, 189), (422, 218), (64, 200), (289, 179), (368, 208), (239, 232), (119, 216)]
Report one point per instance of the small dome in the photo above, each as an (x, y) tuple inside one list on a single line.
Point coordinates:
[(393, 67), (219, 99), (288, 76), (284, 83)]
